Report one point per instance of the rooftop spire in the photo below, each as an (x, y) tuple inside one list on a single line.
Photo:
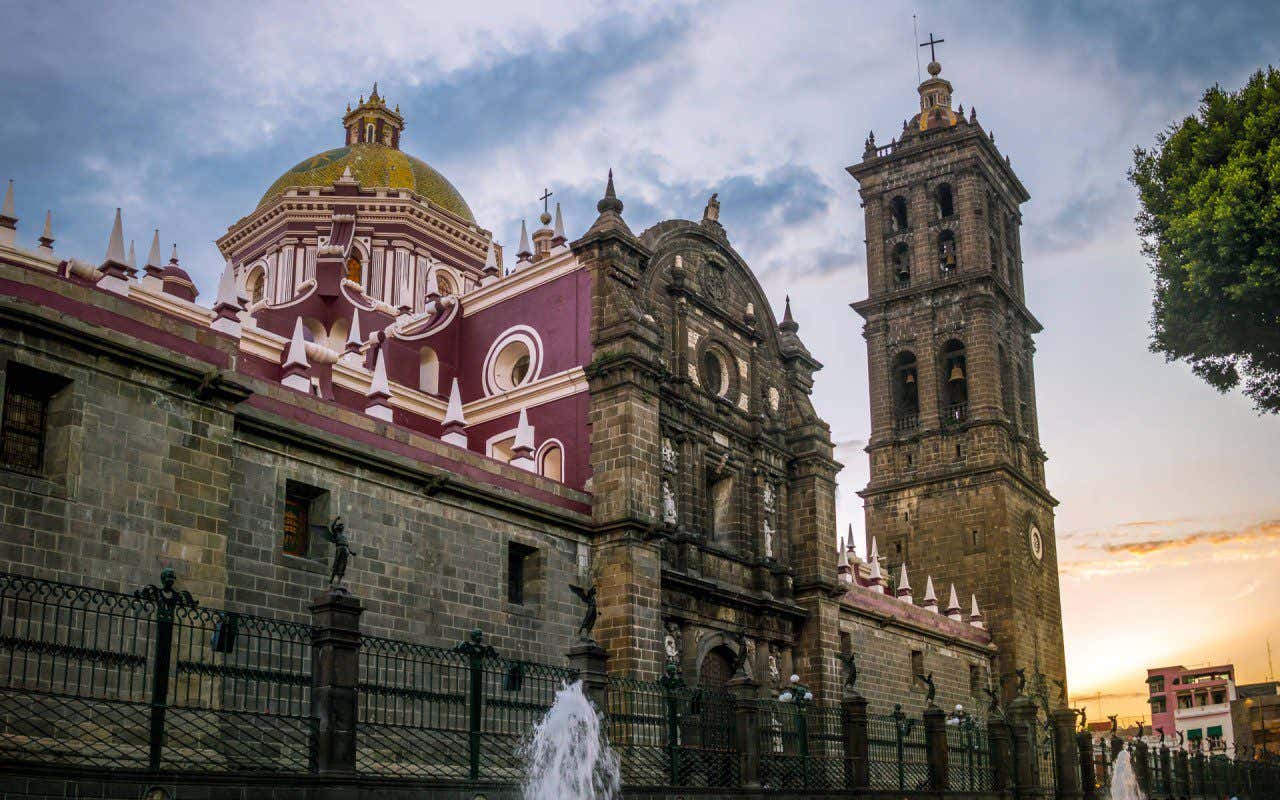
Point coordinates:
[(46, 237), (173, 256), (975, 616), (904, 584), (115, 243), (524, 253), (133, 258), (558, 239), (953, 605), (522, 450), (610, 201), (153, 258), (379, 391), (788, 322), (930, 599), (226, 308), (8, 216), (296, 356), (455, 423)]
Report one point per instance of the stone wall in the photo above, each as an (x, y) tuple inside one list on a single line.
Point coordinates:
[(153, 470)]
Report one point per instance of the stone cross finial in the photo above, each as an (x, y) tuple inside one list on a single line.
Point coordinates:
[(931, 44)]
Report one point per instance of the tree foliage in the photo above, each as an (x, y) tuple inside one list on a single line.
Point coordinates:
[(1210, 223)]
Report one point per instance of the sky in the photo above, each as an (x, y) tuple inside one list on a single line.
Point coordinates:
[(1169, 524)]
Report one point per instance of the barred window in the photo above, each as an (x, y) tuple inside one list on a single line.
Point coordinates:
[(300, 510), (25, 427)]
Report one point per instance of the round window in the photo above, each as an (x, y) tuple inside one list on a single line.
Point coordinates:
[(713, 377), (511, 367), (1036, 540)]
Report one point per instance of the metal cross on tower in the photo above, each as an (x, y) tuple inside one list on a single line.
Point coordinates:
[(931, 44), (546, 195)]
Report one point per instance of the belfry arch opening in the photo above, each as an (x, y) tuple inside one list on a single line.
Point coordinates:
[(900, 261), (955, 382), (945, 200), (906, 392), (898, 220), (946, 251)]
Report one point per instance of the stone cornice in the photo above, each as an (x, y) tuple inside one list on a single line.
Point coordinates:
[(518, 282)]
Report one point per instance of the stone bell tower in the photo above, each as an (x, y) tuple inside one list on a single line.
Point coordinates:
[(957, 484)]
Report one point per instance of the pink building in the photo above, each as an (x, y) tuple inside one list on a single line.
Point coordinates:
[(1194, 702)]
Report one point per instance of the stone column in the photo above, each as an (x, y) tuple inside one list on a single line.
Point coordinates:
[(1084, 752), (745, 692), (335, 669), (1067, 754), (1001, 744), (935, 732), (1022, 721), (1141, 766), (1166, 769), (591, 662), (1182, 769), (857, 742)]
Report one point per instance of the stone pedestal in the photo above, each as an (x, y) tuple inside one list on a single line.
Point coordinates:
[(1023, 722), (1001, 742), (335, 670), (1067, 754), (935, 732), (1084, 754), (857, 743), (591, 662)]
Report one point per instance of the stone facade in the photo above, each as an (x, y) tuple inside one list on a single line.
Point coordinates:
[(957, 479), (696, 486)]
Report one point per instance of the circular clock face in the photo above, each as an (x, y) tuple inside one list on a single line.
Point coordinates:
[(1036, 540)]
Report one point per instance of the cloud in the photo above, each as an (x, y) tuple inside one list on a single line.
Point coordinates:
[(1260, 532)]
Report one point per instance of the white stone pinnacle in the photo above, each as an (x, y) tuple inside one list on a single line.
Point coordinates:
[(904, 583), (115, 244), (491, 258), (929, 597), (133, 259), (524, 432), (524, 240), (227, 288), (559, 229), (173, 257), (48, 225), (297, 354), (353, 336), (453, 414), (153, 257), (9, 209), (379, 384), (953, 605)]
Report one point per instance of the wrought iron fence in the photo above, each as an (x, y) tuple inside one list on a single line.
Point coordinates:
[(150, 680), (1046, 755), (898, 756), (968, 756), (801, 745), (430, 712), (668, 734)]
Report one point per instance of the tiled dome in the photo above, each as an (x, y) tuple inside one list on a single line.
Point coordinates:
[(374, 166)]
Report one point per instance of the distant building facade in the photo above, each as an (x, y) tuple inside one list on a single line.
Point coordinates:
[(1194, 702), (1255, 716)]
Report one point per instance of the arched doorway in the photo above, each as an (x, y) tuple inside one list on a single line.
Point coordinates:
[(716, 668)]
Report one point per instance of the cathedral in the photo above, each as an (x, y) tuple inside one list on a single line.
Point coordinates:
[(602, 407)]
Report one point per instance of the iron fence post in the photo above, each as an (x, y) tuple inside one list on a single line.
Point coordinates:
[(802, 746), (901, 727), (671, 684), (1166, 769), (476, 652), (167, 599), (1067, 758), (335, 675), (1084, 760), (745, 691), (857, 744), (935, 731)]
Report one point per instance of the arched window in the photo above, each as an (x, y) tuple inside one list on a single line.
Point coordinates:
[(946, 251), (901, 261), (715, 378), (716, 668), (428, 371), (256, 285), (945, 201), (898, 214), (1024, 402), (906, 392), (368, 133), (551, 461), (355, 271), (955, 383), (444, 284), (1006, 386)]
